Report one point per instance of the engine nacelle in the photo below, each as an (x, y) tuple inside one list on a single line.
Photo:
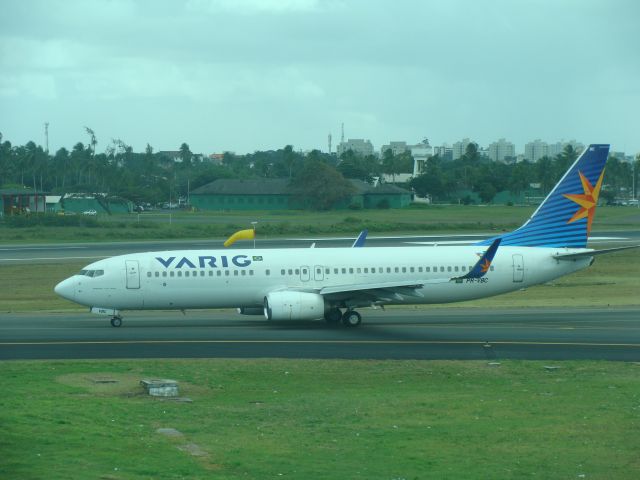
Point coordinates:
[(250, 310), (293, 306)]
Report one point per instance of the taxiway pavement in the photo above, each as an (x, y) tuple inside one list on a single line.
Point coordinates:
[(398, 333)]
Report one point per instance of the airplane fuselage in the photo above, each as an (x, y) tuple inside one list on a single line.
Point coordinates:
[(194, 279)]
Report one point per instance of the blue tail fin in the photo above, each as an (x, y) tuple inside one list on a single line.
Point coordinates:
[(564, 218)]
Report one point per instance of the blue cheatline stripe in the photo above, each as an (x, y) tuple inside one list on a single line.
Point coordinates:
[(549, 226)]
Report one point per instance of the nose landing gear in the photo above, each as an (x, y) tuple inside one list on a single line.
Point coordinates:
[(116, 321)]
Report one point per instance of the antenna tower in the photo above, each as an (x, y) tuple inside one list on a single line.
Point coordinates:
[(46, 135), (329, 143)]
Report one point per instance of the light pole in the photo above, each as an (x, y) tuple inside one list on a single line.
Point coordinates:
[(253, 224)]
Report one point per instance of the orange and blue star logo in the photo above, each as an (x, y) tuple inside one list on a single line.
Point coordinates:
[(484, 266), (587, 200)]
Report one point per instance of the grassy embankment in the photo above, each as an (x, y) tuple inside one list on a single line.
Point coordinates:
[(308, 419), (416, 220)]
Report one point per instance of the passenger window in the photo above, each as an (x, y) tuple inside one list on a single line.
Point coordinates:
[(157, 274), (388, 269), (464, 269), (397, 270), (179, 273), (243, 272), (358, 270), (219, 273), (366, 270), (350, 270), (427, 269), (297, 271), (267, 272), (404, 269), (448, 268), (226, 273), (235, 273), (344, 270), (455, 268), (290, 271), (211, 273), (373, 269), (335, 271), (164, 274), (442, 269), (420, 269), (282, 272), (172, 273), (186, 274), (327, 271), (411, 269)]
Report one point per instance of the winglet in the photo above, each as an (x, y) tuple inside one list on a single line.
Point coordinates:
[(361, 239), (482, 267)]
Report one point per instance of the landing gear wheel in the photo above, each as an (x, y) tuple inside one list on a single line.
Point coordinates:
[(333, 316), (351, 318), (116, 322)]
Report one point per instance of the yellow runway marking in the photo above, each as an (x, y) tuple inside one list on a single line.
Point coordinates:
[(326, 342)]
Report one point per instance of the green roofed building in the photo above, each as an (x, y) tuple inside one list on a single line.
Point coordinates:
[(277, 194)]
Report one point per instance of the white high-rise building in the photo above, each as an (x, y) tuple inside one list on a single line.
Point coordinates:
[(558, 147), (535, 150), (501, 150), (357, 145), (459, 148)]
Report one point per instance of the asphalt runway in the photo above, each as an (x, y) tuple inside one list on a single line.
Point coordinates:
[(407, 333), (53, 253)]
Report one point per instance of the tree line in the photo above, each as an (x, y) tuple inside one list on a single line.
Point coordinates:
[(318, 177)]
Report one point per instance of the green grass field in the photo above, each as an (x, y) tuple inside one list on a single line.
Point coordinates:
[(415, 219), (308, 419)]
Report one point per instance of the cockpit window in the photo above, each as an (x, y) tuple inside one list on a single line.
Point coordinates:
[(91, 273)]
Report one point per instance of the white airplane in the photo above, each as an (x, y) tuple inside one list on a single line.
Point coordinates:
[(330, 283)]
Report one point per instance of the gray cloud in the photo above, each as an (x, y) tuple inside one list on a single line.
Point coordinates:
[(246, 75)]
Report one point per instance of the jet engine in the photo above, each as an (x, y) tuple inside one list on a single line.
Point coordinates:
[(293, 306)]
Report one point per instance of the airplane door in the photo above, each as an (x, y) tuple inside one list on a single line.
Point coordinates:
[(318, 273), (518, 268), (305, 273), (133, 274)]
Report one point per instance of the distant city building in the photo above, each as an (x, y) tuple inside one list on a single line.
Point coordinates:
[(421, 153), (459, 148), (502, 151), (558, 147), (444, 151), (396, 148), (357, 145), (533, 151)]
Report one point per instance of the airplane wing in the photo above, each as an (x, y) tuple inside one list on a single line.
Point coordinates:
[(397, 290), (591, 253)]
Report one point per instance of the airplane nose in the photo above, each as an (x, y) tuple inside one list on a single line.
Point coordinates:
[(65, 289)]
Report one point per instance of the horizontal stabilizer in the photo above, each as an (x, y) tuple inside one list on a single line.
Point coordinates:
[(591, 253), (361, 239)]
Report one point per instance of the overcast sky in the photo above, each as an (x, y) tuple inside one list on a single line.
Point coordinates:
[(245, 75)]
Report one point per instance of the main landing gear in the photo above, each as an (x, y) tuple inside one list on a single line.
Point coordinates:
[(350, 318), (116, 321)]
